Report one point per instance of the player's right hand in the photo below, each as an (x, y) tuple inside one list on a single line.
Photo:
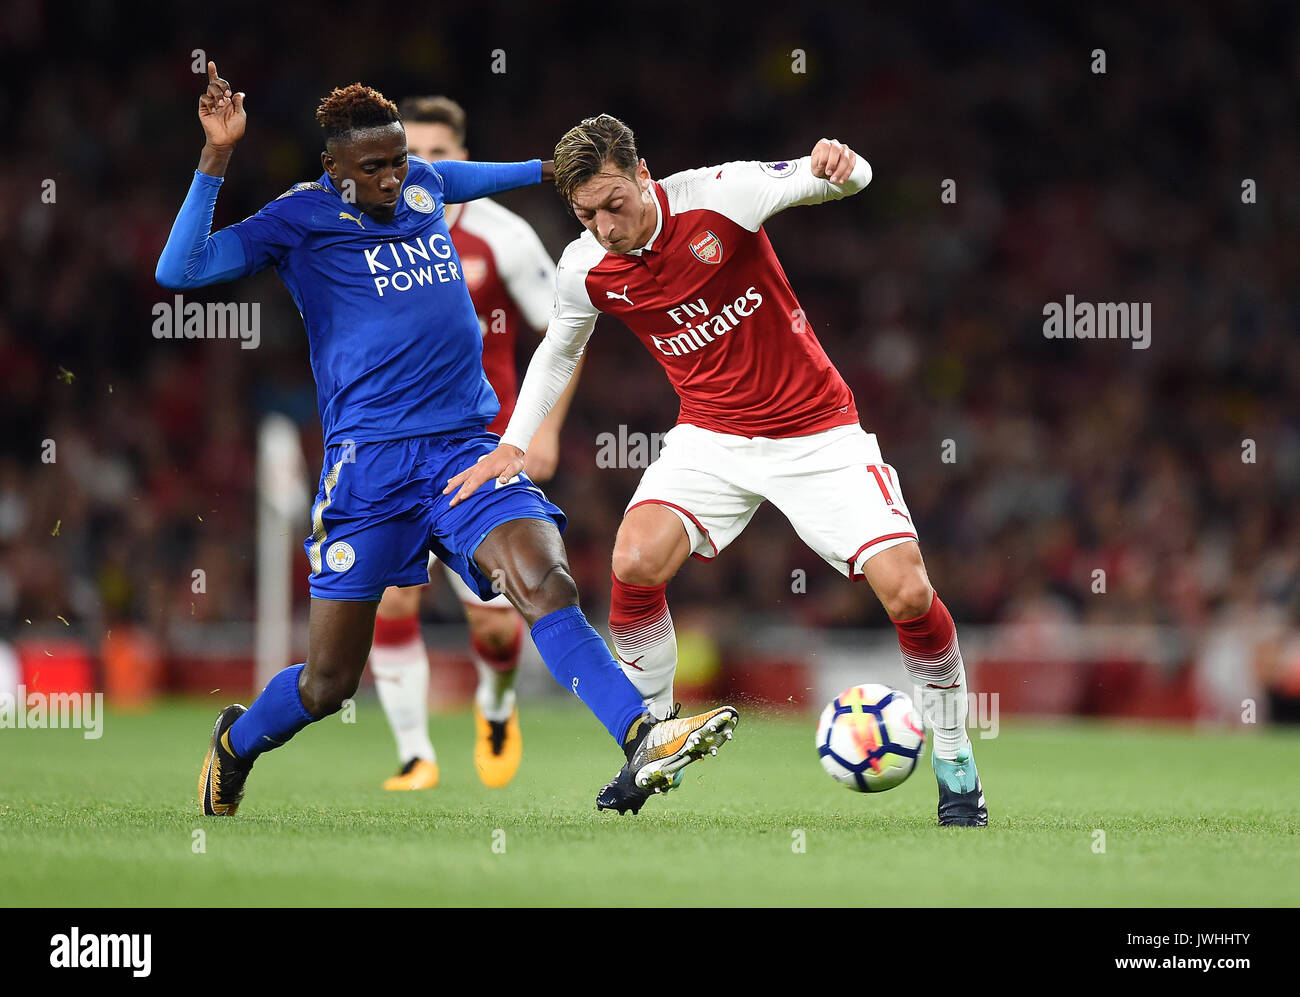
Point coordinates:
[(503, 463), (221, 112), (833, 160)]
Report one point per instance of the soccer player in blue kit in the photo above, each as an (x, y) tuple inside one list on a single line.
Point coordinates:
[(396, 353)]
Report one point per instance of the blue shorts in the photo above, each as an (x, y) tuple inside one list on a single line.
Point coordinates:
[(380, 510)]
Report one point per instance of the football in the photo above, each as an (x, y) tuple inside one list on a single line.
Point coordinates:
[(870, 737)]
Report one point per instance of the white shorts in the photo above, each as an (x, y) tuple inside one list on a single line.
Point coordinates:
[(843, 500), (463, 592)]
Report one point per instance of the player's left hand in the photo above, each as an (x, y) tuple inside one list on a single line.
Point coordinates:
[(503, 463), (221, 112), (833, 160), (543, 455)]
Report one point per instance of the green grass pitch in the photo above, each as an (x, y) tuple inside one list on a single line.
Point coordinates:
[(1190, 819)]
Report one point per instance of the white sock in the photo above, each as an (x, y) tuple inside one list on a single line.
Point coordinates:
[(647, 653), (495, 694), (945, 713), (401, 674)]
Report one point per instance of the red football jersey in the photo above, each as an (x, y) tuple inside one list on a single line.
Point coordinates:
[(511, 280), (709, 300)]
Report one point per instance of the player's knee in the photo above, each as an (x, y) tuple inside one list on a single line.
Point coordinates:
[(636, 564), (555, 590), (399, 603), (324, 691), (909, 598)]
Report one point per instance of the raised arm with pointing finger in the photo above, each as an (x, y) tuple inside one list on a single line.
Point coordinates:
[(366, 176)]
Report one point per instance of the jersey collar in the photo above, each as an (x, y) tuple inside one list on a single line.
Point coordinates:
[(661, 209), (401, 200)]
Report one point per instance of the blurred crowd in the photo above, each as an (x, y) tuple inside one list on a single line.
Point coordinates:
[(1029, 464)]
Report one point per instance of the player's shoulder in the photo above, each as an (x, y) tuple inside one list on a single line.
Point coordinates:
[(685, 182), (301, 202), (418, 164), (582, 255), (422, 173), (579, 258), (303, 196), (306, 187)]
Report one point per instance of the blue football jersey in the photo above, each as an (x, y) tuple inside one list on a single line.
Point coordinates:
[(396, 347)]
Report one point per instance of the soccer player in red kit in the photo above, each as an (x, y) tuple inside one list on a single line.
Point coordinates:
[(511, 280), (765, 416)]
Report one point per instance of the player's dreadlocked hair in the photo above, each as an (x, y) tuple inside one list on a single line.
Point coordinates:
[(585, 149), (353, 108), (435, 111)]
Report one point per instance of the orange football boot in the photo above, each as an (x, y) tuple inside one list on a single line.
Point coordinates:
[(418, 773), (498, 748)]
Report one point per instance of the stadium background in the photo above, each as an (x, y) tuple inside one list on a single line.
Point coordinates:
[(1070, 456)]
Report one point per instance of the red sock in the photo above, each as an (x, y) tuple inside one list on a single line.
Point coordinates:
[(507, 658), (638, 617), (644, 641), (397, 630), (929, 645)]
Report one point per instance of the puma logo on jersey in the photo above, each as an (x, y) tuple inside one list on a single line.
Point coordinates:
[(355, 218), (621, 297)]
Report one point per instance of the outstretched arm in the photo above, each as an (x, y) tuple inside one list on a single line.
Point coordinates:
[(468, 181), (543, 454), (750, 193), (193, 257), (549, 374)]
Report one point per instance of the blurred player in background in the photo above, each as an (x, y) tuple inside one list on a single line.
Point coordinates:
[(511, 279), (397, 355), (765, 416)]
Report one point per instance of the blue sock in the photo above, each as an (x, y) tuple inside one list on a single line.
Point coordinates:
[(581, 662), (274, 717)]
